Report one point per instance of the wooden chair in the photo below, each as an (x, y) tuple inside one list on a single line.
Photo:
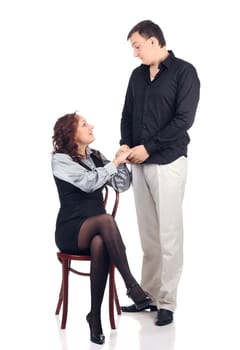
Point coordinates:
[(66, 259)]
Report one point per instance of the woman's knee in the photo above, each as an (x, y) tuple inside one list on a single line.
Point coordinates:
[(108, 219), (97, 241)]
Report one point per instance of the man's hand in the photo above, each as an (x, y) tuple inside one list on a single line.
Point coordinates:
[(138, 154)]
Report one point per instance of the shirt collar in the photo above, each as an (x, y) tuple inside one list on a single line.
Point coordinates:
[(88, 151), (167, 62)]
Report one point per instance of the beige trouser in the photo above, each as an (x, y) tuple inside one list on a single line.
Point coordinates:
[(158, 192)]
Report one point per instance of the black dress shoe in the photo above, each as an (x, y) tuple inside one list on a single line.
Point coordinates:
[(132, 308), (164, 317)]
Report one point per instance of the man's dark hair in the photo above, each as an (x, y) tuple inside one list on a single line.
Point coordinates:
[(147, 29)]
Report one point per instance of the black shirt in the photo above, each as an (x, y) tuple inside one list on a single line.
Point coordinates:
[(158, 113)]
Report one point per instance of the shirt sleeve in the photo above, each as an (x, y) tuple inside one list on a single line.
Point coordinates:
[(126, 120), (122, 179), (64, 168)]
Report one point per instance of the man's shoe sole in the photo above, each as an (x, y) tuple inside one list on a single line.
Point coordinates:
[(163, 323)]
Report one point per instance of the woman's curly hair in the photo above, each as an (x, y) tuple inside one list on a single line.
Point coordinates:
[(64, 134)]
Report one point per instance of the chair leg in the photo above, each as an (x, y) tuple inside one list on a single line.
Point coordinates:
[(117, 300), (65, 272), (111, 297), (63, 295), (60, 299)]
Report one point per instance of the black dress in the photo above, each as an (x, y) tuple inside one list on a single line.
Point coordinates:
[(75, 207)]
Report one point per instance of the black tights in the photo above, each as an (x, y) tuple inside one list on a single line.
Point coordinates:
[(100, 233)]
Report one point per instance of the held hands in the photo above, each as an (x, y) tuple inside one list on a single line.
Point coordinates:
[(136, 155)]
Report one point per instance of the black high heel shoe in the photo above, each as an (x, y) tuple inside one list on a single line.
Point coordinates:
[(95, 338), (142, 304)]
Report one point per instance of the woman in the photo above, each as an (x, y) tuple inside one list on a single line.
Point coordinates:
[(82, 225)]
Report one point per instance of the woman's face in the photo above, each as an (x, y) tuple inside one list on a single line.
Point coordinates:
[(84, 132)]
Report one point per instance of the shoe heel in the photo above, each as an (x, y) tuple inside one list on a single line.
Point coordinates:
[(95, 338), (143, 304)]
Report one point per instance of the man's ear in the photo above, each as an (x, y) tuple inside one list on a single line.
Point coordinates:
[(154, 41)]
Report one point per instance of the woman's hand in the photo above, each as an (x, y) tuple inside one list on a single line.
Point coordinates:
[(122, 149), (121, 155)]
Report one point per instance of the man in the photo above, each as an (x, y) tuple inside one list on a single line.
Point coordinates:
[(160, 106)]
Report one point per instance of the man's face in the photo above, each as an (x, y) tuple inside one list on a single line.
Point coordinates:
[(142, 48)]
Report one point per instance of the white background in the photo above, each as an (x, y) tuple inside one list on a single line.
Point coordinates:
[(60, 56)]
